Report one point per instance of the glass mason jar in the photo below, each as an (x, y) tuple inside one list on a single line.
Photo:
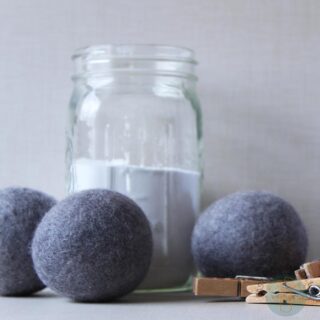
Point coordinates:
[(135, 127)]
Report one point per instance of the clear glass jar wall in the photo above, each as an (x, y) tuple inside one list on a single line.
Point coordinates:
[(135, 127)]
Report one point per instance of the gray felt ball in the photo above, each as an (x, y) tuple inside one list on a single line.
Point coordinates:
[(95, 245), (249, 233), (21, 210)]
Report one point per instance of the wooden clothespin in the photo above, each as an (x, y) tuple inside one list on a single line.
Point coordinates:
[(308, 270), (225, 287), (303, 291)]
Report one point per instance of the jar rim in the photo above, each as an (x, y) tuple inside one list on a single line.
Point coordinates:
[(137, 52)]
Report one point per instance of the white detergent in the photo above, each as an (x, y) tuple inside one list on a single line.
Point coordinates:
[(169, 198)]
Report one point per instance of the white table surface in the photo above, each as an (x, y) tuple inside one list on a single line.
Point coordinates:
[(46, 306)]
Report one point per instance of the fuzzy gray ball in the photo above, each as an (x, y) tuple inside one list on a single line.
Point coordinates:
[(249, 233), (21, 210), (95, 245)]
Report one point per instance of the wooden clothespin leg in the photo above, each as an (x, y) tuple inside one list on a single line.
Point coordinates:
[(224, 287), (303, 291)]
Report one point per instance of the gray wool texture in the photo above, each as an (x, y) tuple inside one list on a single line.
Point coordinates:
[(21, 210), (249, 233), (96, 245)]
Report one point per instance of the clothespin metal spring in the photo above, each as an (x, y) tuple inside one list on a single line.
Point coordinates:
[(313, 292)]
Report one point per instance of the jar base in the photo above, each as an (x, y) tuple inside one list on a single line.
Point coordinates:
[(187, 287)]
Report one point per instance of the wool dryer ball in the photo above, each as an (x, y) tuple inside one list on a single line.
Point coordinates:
[(21, 210), (249, 233), (95, 245)]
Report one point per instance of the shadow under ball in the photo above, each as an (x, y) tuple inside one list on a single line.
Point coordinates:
[(21, 210), (249, 233), (95, 245)]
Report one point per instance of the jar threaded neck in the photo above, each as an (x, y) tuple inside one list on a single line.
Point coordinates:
[(137, 59)]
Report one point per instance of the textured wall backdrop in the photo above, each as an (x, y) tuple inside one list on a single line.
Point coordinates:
[(259, 85)]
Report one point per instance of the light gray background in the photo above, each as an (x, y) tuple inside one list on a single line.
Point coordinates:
[(259, 86)]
